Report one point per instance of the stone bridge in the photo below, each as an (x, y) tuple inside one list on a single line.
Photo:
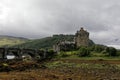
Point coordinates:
[(20, 52)]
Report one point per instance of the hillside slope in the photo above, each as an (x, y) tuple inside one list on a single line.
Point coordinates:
[(7, 41), (47, 42)]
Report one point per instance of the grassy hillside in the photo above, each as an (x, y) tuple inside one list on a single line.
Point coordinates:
[(6, 41)]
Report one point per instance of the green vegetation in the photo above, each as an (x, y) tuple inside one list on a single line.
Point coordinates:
[(47, 42), (83, 52), (94, 52), (111, 51), (7, 41), (91, 58), (82, 65)]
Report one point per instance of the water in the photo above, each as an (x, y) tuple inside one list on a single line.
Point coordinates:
[(10, 56)]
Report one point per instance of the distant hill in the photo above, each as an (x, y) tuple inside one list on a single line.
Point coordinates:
[(47, 42), (7, 41)]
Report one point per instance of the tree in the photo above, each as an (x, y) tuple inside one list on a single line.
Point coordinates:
[(99, 48)]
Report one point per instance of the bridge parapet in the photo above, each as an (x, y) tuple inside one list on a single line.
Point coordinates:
[(20, 52)]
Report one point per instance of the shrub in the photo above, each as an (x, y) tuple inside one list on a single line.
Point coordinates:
[(111, 51), (63, 54), (118, 52), (50, 53), (83, 52)]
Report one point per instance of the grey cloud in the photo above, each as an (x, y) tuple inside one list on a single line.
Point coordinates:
[(41, 18)]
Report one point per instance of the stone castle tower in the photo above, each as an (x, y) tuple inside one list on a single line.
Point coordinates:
[(82, 38)]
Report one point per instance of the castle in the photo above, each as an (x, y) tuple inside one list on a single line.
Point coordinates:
[(81, 39)]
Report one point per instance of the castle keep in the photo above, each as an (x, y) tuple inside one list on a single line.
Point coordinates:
[(82, 38)]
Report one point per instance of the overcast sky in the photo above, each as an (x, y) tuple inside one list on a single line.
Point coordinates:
[(41, 18)]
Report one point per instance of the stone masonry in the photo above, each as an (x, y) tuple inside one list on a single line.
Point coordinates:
[(82, 38)]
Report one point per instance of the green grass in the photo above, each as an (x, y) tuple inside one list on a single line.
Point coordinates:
[(57, 64), (93, 56), (7, 42)]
